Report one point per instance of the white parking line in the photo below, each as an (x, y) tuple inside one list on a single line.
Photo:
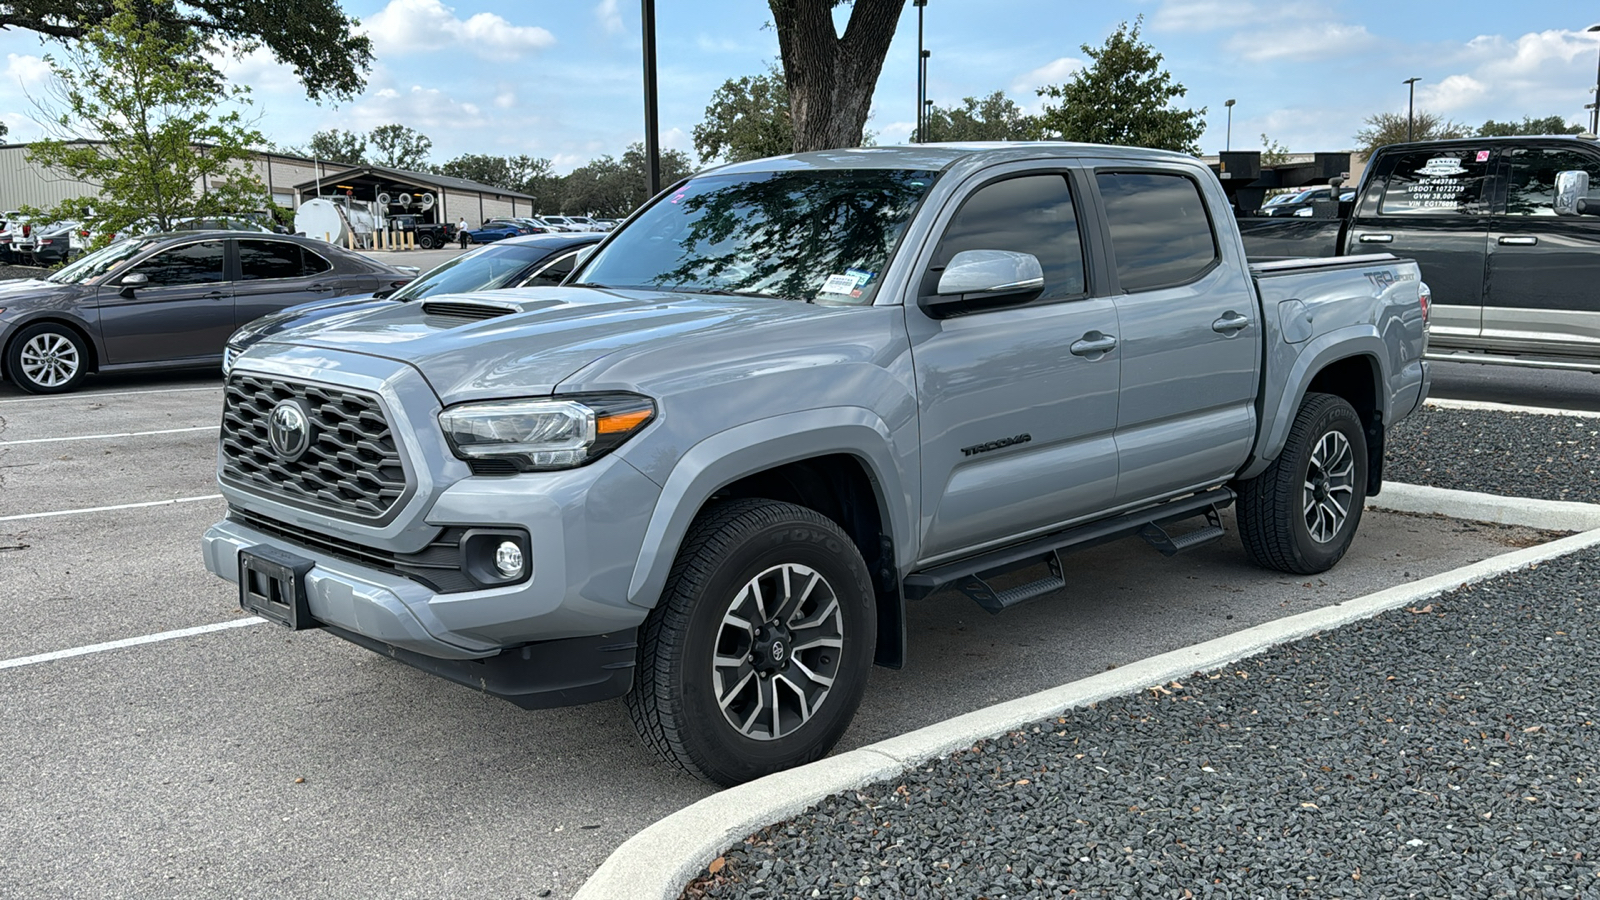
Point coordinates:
[(60, 399), (128, 642), (95, 509), (1511, 408), (97, 437)]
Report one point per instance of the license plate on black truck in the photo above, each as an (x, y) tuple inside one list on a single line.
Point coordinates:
[(272, 584)]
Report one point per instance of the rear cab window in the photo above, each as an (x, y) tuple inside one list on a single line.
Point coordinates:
[(1160, 228)]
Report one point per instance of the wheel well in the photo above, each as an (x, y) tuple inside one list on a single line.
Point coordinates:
[(1355, 379), (88, 343), (840, 487)]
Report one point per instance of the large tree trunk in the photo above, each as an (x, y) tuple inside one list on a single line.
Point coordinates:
[(831, 78)]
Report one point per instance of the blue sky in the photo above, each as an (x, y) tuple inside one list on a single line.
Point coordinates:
[(561, 78)]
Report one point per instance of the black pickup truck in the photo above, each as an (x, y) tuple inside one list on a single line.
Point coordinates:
[(428, 235), (1512, 261)]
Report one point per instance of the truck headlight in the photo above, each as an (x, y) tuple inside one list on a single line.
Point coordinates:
[(538, 435)]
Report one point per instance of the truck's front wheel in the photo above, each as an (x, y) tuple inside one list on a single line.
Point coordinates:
[(1302, 512), (426, 242), (756, 657)]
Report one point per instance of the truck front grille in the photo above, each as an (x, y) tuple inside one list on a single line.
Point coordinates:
[(352, 466)]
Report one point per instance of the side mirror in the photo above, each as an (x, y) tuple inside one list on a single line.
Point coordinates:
[(132, 281), (1572, 192), (995, 272)]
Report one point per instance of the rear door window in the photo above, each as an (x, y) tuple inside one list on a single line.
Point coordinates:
[(1161, 234), (1436, 182), (1531, 181)]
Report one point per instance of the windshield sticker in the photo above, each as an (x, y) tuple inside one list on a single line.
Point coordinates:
[(1483, 156), (839, 284), (861, 276)]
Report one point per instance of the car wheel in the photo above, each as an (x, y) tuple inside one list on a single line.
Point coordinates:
[(425, 242), (1302, 512), (755, 659), (47, 359)]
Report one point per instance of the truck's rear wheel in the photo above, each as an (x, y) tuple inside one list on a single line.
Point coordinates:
[(756, 657), (1302, 512)]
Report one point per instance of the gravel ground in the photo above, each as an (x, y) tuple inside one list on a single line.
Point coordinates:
[(1512, 454), (22, 272), (1449, 750)]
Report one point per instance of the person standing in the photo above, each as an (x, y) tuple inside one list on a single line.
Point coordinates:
[(461, 231)]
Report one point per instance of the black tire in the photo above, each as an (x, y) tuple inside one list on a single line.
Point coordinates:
[(48, 358), (426, 242), (1289, 515), (675, 700)]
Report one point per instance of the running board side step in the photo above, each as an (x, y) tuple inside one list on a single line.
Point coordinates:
[(972, 575)]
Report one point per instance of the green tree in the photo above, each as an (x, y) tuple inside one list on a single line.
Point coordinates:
[(1393, 128), (993, 118), (1122, 97), (747, 118), (154, 137), (335, 145), (4, 130), (1529, 125), (1272, 152), (313, 37), (399, 147), (830, 77), (514, 173), (613, 187)]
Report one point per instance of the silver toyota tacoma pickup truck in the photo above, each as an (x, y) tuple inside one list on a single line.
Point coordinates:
[(708, 473)]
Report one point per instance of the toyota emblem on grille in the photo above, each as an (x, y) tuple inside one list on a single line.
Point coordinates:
[(289, 430)]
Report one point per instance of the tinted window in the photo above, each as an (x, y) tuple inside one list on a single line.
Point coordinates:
[(555, 273), (311, 263), (1435, 182), (1531, 187), (1032, 214), (268, 259), (190, 264), (1160, 233)]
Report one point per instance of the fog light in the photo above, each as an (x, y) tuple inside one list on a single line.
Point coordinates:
[(508, 559)]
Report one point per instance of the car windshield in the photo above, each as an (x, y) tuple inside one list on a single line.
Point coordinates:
[(822, 234), (485, 269), (101, 261)]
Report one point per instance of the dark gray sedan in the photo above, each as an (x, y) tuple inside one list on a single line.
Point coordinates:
[(166, 301)]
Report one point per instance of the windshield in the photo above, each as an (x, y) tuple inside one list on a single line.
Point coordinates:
[(485, 269), (805, 235), (101, 261)]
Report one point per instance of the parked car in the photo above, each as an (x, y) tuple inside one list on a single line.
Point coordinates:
[(60, 242), (708, 472), (17, 238), (563, 223), (1511, 258), (525, 261), (427, 235), (490, 231), (521, 225), (165, 301)]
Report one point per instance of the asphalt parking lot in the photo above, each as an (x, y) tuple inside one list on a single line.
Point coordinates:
[(244, 761)]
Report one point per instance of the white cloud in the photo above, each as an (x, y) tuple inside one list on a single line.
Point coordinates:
[(505, 97), (1313, 40), (1497, 77), (677, 139), (1453, 93), (610, 18), (258, 70), (425, 109), (1057, 71), (29, 70), (411, 26)]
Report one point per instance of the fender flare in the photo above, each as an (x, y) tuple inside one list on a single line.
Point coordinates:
[(727, 456), (1321, 352)]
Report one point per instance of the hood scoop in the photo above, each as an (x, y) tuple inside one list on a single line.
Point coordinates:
[(469, 310)]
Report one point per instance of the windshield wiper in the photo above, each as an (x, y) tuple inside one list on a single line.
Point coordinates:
[(588, 284)]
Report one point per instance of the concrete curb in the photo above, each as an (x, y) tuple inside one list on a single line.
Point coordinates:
[(660, 860), (1551, 515), (1489, 406)]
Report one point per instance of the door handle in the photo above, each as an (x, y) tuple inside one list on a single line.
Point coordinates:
[(214, 295), (1093, 344), (320, 287), (1526, 240), (1376, 238), (1230, 324)]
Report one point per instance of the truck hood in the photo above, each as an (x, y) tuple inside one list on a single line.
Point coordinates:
[(542, 336)]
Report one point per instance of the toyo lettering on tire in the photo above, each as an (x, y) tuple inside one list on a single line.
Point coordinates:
[(756, 657), (1302, 512)]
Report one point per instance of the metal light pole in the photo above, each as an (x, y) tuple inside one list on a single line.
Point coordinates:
[(922, 73), (1229, 145), (1411, 106), (652, 127), (1594, 117)]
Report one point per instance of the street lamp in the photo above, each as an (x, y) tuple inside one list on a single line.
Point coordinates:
[(1594, 118), (1229, 145), (1411, 106), (922, 72)]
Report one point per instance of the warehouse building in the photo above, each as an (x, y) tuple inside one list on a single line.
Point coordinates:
[(290, 180)]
